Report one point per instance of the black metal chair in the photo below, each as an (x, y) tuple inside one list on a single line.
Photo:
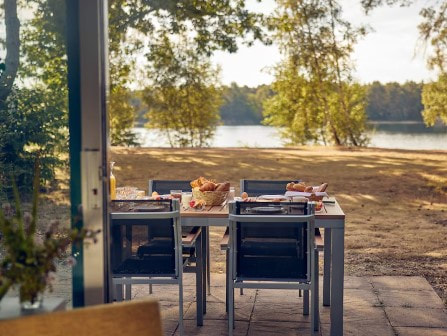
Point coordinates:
[(146, 248), (257, 188), (164, 187), (271, 245)]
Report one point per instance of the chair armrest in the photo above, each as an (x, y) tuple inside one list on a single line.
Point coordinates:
[(190, 238), (225, 240)]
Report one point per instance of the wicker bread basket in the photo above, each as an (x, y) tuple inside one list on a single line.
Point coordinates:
[(210, 197)]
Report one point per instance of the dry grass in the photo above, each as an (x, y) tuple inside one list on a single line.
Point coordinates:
[(395, 200)]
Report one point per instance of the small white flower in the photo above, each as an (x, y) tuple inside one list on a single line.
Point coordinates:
[(71, 261)]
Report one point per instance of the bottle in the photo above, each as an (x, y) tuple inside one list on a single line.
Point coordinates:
[(112, 182)]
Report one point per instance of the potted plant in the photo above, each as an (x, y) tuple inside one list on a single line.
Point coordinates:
[(30, 260)]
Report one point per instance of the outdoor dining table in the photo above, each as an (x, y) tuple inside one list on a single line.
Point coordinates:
[(331, 218)]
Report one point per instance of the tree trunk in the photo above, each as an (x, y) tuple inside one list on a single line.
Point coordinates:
[(12, 24)]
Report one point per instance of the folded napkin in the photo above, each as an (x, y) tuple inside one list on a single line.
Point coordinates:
[(304, 194)]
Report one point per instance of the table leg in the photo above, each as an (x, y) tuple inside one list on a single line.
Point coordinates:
[(327, 268), (199, 281), (204, 272), (338, 236), (208, 268)]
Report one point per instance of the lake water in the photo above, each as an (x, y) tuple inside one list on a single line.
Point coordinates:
[(385, 135)]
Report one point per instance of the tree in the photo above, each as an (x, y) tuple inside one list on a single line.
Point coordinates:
[(434, 98), (316, 97), (137, 25), (433, 31), (394, 101), (184, 97), (31, 125), (32, 115), (12, 43)]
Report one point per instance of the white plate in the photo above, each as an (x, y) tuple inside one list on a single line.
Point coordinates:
[(272, 197)]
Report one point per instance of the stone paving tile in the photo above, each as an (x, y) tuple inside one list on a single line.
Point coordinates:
[(163, 293), (358, 314), (360, 297), (169, 326), (213, 327), (355, 282), (279, 296), (403, 331), (216, 311), (218, 295), (279, 328), (417, 317), (406, 283), (169, 310), (362, 329), (279, 312), (410, 299)]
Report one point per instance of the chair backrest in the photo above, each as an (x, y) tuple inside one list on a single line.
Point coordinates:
[(271, 240), (136, 318), (165, 186), (145, 237), (264, 187)]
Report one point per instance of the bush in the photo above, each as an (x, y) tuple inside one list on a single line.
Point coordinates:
[(32, 123)]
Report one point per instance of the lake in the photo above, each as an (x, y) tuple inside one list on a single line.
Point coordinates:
[(402, 135)]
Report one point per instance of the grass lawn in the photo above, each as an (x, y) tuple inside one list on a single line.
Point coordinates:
[(395, 200)]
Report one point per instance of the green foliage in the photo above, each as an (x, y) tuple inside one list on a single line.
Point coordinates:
[(121, 117), (32, 124), (184, 97), (140, 25), (316, 97), (214, 24), (434, 98), (243, 105), (394, 101), (28, 263)]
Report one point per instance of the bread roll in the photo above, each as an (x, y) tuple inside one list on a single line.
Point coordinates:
[(299, 187), (289, 186), (323, 187), (208, 186), (308, 189), (223, 186)]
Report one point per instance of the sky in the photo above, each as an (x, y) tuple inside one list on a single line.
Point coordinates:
[(388, 53), (391, 52)]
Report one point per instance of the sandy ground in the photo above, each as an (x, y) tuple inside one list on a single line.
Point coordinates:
[(395, 200)]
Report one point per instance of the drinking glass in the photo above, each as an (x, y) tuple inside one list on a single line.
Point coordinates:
[(186, 198), (176, 194), (231, 194)]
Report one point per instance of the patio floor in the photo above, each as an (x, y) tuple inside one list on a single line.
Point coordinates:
[(382, 306)]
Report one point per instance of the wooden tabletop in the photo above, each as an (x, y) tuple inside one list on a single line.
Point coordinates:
[(329, 211)]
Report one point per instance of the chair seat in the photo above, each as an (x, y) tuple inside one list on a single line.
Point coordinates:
[(268, 248), (160, 265), (263, 267)]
